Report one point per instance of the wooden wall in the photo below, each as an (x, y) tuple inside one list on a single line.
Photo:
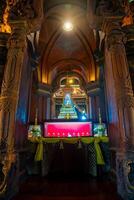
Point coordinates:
[(39, 103)]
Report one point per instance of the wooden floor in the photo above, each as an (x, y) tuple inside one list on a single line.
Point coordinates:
[(67, 188)]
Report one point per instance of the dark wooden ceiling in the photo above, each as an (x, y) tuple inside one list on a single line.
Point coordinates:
[(66, 51)]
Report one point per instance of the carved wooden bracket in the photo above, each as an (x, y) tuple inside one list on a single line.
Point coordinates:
[(31, 11), (99, 11)]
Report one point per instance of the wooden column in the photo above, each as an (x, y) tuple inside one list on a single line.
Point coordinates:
[(44, 92), (11, 83), (120, 108), (52, 108), (116, 60), (93, 91), (48, 110), (3, 54), (90, 108)]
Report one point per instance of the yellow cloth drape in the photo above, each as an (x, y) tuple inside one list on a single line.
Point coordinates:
[(87, 140), (39, 151)]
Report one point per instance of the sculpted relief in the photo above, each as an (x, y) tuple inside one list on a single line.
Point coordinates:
[(112, 7), (29, 10), (106, 7)]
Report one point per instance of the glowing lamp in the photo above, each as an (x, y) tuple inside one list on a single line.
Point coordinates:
[(74, 91), (68, 26), (71, 81), (83, 117)]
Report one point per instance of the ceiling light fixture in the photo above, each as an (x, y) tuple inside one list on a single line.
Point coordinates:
[(68, 26)]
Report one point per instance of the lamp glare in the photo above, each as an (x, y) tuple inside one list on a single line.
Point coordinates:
[(68, 26)]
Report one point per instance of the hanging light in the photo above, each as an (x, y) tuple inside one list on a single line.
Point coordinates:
[(68, 26)]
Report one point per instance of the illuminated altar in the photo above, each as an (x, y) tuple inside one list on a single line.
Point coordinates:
[(68, 110)]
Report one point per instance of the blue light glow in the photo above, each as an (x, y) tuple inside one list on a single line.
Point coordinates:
[(83, 117)]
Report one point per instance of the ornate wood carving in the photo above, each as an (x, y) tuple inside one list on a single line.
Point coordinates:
[(125, 167), (108, 8), (129, 12), (10, 91), (115, 39), (29, 10), (101, 10)]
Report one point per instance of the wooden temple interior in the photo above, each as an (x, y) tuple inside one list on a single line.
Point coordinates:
[(66, 61)]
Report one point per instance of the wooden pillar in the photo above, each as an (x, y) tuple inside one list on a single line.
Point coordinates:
[(53, 108), (3, 54), (120, 107), (116, 59), (48, 110), (94, 107), (44, 101), (95, 91), (10, 88), (90, 108)]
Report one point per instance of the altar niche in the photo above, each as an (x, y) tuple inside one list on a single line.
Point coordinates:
[(69, 101)]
